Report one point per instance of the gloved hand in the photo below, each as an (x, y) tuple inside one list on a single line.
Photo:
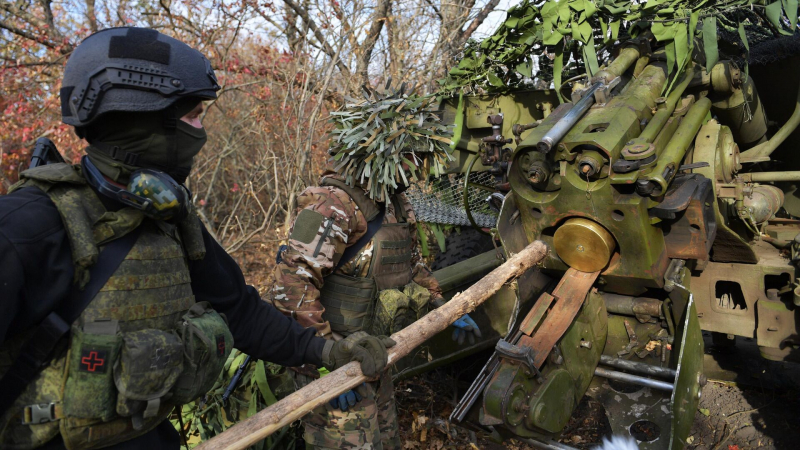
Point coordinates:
[(370, 351), (346, 400), (466, 327)]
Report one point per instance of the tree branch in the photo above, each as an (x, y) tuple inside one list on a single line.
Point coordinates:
[(378, 18), (438, 13), (91, 16), (326, 47), (478, 20)]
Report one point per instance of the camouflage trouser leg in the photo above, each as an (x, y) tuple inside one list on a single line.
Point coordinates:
[(387, 413), (370, 424)]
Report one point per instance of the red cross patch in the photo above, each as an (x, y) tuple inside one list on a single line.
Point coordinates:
[(220, 345), (93, 361)]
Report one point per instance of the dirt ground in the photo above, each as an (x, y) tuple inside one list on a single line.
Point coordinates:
[(754, 404)]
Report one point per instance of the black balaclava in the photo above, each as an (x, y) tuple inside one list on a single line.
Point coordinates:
[(122, 142)]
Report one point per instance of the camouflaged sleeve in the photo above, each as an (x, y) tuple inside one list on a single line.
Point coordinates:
[(422, 274), (327, 220)]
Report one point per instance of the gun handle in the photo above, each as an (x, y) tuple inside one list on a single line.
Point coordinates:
[(45, 152)]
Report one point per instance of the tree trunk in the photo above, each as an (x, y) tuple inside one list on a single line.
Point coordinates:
[(319, 392)]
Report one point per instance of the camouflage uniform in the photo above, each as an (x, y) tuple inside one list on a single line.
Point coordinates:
[(311, 256)]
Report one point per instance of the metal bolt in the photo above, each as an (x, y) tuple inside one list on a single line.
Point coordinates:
[(579, 248), (176, 83)]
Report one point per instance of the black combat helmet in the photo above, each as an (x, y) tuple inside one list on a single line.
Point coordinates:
[(132, 70)]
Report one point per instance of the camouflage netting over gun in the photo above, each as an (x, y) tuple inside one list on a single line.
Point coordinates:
[(575, 33), (442, 200)]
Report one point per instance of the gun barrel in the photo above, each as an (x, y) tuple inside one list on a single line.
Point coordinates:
[(562, 127)]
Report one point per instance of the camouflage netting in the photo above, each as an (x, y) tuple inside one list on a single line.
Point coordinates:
[(441, 201), (767, 44)]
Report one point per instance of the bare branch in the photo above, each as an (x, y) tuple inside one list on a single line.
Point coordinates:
[(91, 16), (438, 13), (326, 47), (378, 18), (478, 20)]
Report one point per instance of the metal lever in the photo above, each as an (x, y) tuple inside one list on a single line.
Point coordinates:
[(522, 354)]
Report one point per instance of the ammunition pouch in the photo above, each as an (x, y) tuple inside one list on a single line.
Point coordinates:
[(89, 390), (148, 367), (396, 309), (349, 302), (207, 342)]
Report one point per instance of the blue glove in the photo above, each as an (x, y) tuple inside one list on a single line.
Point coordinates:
[(346, 400), (466, 327)]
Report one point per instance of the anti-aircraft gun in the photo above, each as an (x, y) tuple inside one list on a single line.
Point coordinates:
[(660, 225)]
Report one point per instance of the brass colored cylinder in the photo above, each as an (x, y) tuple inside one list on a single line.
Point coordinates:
[(584, 244)]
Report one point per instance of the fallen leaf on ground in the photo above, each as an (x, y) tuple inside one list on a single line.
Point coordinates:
[(704, 412), (410, 445)]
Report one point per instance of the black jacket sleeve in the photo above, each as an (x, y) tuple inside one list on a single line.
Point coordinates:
[(258, 328), (35, 260)]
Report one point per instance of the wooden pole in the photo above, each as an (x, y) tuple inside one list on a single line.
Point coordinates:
[(317, 393)]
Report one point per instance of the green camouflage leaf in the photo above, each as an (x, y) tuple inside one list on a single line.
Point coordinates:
[(590, 57), (790, 6), (263, 386), (710, 41), (558, 67), (494, 80)]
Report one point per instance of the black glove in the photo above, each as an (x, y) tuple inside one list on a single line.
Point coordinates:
[(370, 351)]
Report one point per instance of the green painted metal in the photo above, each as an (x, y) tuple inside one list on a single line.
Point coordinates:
[(527, 407), (686, 394), (670, 158), (467, 272), (518, 107)]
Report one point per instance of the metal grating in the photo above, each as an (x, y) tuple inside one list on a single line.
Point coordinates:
[(441, 200)]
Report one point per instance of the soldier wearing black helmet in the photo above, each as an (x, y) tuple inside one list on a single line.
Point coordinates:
[(117, 305)]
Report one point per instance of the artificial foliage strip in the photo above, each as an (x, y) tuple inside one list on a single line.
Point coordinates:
[(381, 140), (586, 28)]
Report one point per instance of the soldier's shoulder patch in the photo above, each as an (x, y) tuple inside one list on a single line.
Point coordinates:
[(306, 226)]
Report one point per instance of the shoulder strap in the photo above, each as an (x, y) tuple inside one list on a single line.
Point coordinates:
[(372, 227), (364, 203), (37, 351)]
